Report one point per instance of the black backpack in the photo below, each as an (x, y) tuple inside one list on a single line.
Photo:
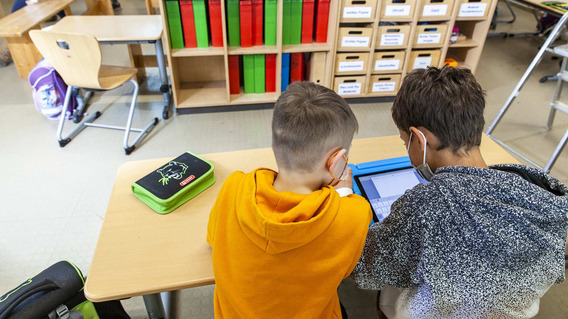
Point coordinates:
[(56, 292)]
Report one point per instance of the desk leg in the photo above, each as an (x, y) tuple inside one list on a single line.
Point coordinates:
[(135, 51), (161, 305), (165, 88), (24, 53)]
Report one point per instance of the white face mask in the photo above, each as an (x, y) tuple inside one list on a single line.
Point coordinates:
[(424, 169)]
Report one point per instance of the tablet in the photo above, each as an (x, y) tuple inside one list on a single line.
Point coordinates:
[(382, 188)]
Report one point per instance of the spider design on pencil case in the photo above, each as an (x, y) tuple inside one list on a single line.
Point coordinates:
[(173, 170)]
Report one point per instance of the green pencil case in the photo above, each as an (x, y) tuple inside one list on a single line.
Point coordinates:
[(174, 183)]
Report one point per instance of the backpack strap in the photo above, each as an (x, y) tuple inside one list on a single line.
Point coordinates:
[(15, 297), (61, 87), (49, 73), (42, 293)]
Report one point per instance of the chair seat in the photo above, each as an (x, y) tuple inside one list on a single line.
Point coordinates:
[(111, 77)]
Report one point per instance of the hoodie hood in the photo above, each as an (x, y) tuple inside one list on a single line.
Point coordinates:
[(281, 221), (504, 206)]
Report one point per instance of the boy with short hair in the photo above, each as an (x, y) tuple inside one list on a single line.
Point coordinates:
[(283, 241), (477, 241)]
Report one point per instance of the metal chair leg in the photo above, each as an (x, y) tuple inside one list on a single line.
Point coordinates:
[(65, 140), (128, 148)]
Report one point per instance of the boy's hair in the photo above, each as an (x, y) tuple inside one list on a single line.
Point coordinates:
[(309, 120), (448, 102)]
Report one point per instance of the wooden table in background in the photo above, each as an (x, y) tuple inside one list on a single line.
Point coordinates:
[(15, 28), (140, 252)]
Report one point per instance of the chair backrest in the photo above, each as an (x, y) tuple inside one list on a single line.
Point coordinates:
[(76, 57)]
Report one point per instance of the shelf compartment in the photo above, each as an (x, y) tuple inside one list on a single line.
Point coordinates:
[(206, 85), (358, 11), (350, 86), (421, 59), (471, 30), (388, 62), (467, 43), (430, 36), (473, 10), (397, 10), (436, 10), (383, 85), (306, 47), (466, 57), (243, 98), (354, 39), (392, 37), (257, 49), (187, 52), (471, 19), (351, 63), (202, 94)]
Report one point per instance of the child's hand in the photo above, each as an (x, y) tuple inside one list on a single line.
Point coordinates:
[(346, 179)]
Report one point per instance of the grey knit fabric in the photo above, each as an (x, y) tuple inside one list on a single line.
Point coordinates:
[(474, 243)]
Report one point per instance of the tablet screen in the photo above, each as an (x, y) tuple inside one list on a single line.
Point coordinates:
[(382, 189)]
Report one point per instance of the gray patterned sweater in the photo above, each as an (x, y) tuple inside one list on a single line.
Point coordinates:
[(474, 243)]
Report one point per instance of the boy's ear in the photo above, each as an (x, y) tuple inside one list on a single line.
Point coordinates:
[(335, 158), (417, 136)]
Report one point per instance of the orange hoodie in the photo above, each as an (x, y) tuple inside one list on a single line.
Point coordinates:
[(282, 254)]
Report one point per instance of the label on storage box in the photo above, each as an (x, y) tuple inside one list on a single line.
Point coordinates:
[(383, 86), (387, 65), (349, 89), (350, 66), (472, 9), (397, 11), (432, 10), (422, 62), (392, 39), (357, 12), (429, 38), (355, 42)]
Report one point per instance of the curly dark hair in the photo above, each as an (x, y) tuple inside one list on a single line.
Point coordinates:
[(448, 102)]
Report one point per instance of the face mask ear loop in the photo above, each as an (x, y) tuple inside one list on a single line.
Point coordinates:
[(409, 141), (425, 144)]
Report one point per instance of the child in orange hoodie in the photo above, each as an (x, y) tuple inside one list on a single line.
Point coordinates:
[(283, 241)]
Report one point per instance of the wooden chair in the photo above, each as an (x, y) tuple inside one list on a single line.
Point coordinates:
[(77, 58)]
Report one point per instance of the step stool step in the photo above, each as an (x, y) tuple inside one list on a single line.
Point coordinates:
[(560, 106), (561, 50)]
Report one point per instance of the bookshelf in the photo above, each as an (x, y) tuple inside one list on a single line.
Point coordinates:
[(427, 26), (200, 76), (369, 29)]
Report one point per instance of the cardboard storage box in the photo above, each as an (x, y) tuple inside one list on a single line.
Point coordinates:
[(423, 59), (357, 10), (386, 84), (388, 62), (471, 9), (397, 10), (392, 37), (436, 10), (354, 38), (349, 85), (351, 63), (430, 36)]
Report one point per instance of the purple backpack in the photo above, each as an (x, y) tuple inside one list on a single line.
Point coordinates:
[(49, 91)]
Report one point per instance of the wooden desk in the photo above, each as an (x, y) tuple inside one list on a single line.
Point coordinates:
[(15, 28), (140, 252), (124, 29), (114, 28)]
